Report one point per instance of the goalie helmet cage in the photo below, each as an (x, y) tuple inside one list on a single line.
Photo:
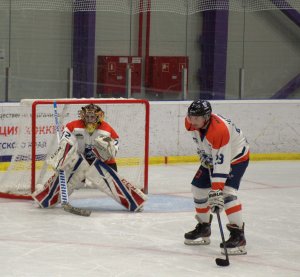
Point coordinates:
[(37, 140)]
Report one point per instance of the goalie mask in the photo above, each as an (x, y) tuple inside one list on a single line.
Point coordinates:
[(92, 115)]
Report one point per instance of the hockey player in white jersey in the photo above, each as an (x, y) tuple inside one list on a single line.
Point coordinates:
[(86, 154), (224, 156)]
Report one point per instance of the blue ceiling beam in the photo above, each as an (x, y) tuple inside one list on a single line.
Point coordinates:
[(290, 12), (213, 44), (84, 24), (287, 89)]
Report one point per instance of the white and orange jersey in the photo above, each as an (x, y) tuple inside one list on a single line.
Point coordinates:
[(220, 145), (76, 132)]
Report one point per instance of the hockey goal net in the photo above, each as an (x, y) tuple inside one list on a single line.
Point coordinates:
[(37, 139)]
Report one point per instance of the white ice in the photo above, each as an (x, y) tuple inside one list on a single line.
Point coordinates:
[(114, 242)]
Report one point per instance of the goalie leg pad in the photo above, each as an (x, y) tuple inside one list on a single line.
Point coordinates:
[(117, 187), (77, 174), (49, 195), (64, 157)]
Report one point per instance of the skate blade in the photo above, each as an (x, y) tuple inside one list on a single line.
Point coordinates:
[(201, 241), (241, 250)]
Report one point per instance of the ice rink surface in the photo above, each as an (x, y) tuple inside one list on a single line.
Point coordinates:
[(114, 242)]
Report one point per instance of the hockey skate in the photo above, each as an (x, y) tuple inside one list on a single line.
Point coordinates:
[(236, 244), (200, 235)]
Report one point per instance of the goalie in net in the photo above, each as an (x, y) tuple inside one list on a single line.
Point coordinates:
[(86, 153)]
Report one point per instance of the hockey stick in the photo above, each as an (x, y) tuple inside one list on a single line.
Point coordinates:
[(220, 261), (51, 149), (62, 179)]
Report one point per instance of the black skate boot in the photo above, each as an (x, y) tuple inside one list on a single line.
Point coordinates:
[(236, 244), (200, 235)]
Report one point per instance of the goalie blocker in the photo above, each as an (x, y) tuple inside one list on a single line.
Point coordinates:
[(81, 174)]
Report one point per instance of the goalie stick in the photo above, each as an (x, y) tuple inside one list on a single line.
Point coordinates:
[(62, 179)]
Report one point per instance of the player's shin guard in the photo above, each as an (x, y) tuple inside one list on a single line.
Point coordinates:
[(77, 174), (117, 187)]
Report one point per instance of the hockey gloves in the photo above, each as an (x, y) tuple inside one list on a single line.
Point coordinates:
[(105, 148), (216, 201)]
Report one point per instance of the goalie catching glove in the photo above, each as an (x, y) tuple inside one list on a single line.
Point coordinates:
[(105, 148)]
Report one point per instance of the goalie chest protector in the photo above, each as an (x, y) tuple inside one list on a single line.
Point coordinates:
[(86, 142)]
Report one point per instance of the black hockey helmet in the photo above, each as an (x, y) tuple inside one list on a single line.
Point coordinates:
[(200, 108)]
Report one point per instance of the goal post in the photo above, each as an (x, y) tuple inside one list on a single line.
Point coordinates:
[(36, 140)]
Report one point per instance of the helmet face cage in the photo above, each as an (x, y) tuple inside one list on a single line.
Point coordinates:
[(200, 108), (92, 115)]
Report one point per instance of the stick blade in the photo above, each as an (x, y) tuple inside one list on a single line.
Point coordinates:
[(78, 211), (222, 262)]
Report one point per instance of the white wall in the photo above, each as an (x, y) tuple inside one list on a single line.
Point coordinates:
[(271, 126)]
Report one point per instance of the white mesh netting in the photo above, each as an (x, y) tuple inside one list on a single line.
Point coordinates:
[(136, 6), (128, 119)]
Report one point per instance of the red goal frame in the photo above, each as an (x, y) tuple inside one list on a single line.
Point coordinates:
[(88, 101)]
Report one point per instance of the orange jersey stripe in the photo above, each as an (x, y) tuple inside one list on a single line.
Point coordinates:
[(242, 159), (217, 185), (234, 209), (103, 126), (111, 161), (202, 210), (218, 133)]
